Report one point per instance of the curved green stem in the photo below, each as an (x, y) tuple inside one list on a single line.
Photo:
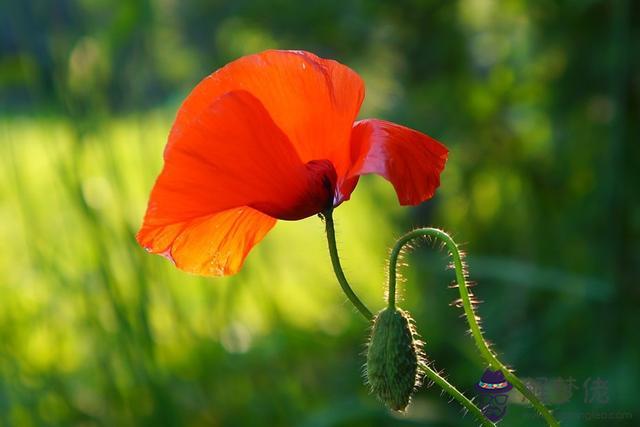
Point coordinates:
[(453, 392), (469, 312), (337, 268), (366, 313)]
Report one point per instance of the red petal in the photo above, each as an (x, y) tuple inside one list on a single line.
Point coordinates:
[(313, 100), (410, 160), (213, 245), (233, 155), (230, 156)]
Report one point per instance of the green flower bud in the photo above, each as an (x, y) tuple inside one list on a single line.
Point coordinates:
[(392, 358)]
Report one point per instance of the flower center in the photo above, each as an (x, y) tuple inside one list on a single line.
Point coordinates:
[(309, 198)]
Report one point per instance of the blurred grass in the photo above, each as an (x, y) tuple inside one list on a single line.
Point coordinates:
[(97, 332)]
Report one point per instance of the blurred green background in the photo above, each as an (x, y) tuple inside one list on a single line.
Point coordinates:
[(538, 102)]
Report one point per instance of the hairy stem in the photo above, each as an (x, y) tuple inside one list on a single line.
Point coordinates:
[(469, 312), (453, 392), (366, 313)]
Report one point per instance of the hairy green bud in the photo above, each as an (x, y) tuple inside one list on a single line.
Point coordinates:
[(392, 358)]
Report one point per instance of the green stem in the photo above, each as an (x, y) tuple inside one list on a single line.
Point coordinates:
[(453, 392), (469, 312), (366, 313), (337, 268)]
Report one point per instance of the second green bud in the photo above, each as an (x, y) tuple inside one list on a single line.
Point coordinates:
[(392, 358)]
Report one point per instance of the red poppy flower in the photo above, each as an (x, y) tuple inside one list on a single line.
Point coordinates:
[(272, 136)]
